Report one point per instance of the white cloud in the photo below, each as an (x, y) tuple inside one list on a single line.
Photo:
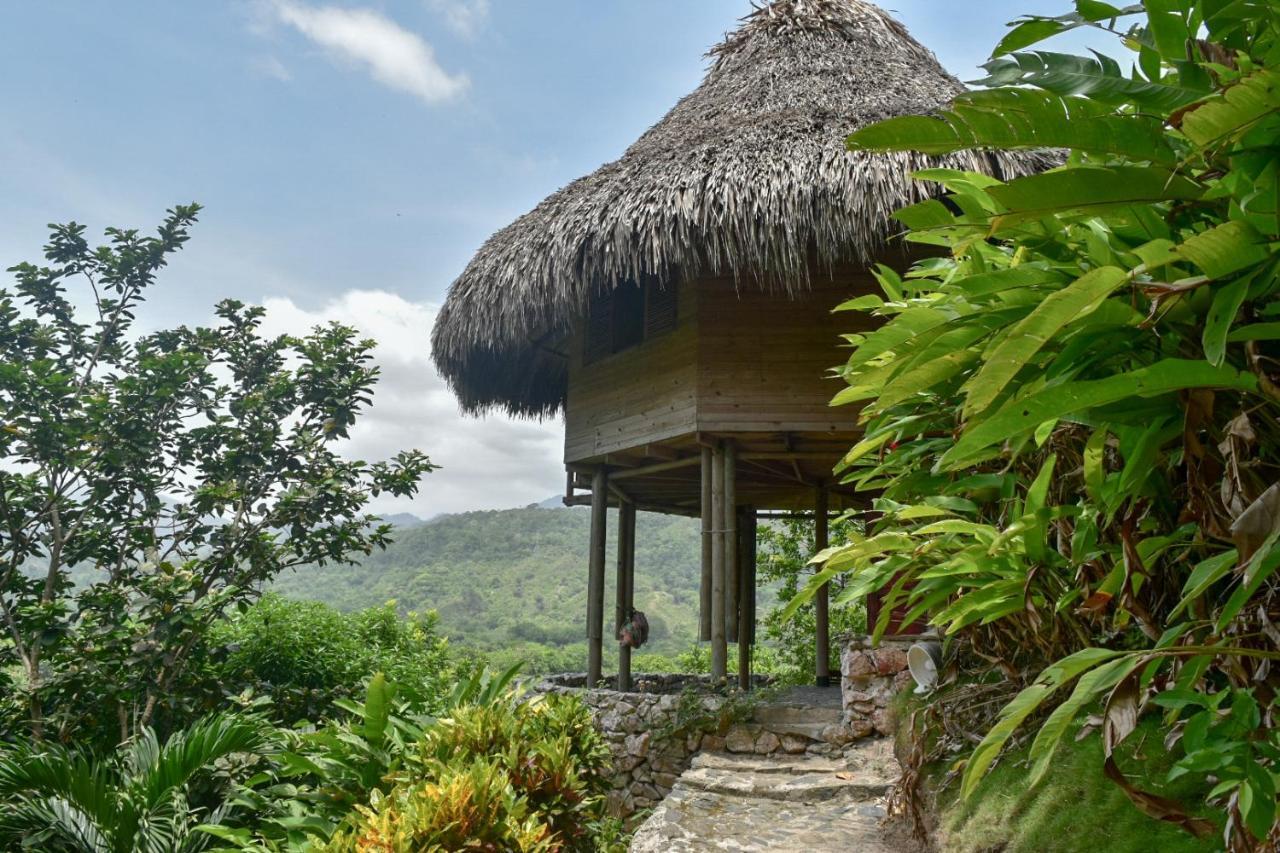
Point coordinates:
[(393, 55), (488, 463), (464, 17)]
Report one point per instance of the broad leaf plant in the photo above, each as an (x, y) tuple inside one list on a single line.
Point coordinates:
[(1072, 443)]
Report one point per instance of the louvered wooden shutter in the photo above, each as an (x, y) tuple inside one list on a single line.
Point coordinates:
[(660, 308), (599, 337)]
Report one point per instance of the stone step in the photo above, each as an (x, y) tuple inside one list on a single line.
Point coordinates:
[(801, 779), (798, 765)]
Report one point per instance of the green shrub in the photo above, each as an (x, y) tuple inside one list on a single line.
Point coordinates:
[(305, 655)]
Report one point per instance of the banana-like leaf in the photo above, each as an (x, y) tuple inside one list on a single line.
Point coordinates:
[(1037, 28), (1230, 114), (1226, 249), (1024, 414), (1088, 190), (1100, 79), (1021, 118), (999, 281), (1033, 331)]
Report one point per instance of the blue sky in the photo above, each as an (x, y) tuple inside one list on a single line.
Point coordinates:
[(352, 156)]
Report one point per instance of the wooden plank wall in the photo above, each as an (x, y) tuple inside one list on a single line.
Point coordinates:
[(636, 397), (763, 359), (739, 360)]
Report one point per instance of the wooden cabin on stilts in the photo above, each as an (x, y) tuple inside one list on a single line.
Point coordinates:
[(676, 305)]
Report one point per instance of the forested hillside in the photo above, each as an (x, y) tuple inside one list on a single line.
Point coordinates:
[(512, 583)]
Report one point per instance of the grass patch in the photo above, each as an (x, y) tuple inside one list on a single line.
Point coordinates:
[(1074, 808)]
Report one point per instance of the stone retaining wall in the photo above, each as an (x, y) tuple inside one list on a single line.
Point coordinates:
[(653, 731), (869, 679)]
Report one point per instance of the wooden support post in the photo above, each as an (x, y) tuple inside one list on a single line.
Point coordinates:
[(746, 593), (821, 605), (595, 573), (719, 650), (708, 528), (626, 586), (729, 525)]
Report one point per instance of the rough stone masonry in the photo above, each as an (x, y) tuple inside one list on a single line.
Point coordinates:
[(654, 737)]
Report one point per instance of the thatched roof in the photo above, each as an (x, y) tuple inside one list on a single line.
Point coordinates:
[(748, 174)]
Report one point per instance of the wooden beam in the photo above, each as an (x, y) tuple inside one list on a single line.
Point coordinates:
[(595, 573), (704, 605), (729, 528), (657, 467), (821, 604), (719, 649), (625, 583)]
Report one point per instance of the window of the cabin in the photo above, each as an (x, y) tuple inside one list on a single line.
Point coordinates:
[(628, 315)]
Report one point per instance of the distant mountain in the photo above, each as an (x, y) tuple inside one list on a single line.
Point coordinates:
[(404, 519), (512, 579)]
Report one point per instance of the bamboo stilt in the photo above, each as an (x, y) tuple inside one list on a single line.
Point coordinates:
[(719, 650), (729, 526), (746, 593), (708, 526), (595, 573), (821, 605), (626, 586)]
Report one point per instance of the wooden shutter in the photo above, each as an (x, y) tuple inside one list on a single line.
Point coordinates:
[(660, 308), (599, 332)]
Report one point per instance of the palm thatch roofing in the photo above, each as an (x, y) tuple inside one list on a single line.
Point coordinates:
[(746, 175)]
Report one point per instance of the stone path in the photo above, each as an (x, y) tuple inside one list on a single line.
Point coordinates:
[(779, 802)]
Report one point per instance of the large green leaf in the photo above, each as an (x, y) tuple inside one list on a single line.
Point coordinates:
[(1100, 79), (1020, 118), (1089, 189), (1033, 331), (1055, 402), (1225, 249), (1037, 28), (998, 281), (1226, 304), (1226, 116)]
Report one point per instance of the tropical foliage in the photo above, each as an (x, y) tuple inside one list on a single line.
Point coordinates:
[(1071, 406), (148, 796)]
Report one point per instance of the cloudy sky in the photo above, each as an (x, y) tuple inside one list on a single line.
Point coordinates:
[(351, 156)]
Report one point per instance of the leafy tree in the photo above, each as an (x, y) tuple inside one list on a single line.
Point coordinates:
[(1071, 410), (178, 470)]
